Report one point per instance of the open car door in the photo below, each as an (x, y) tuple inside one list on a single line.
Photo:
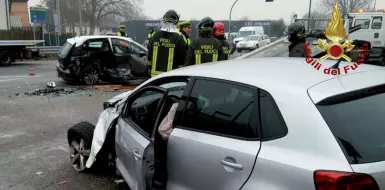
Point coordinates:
[(134, 131)]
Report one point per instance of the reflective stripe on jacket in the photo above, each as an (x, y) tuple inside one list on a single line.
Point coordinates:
[(120, 34)]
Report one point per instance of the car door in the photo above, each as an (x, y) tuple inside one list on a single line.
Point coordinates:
[(134, 130), (216, 138), (121, 51)]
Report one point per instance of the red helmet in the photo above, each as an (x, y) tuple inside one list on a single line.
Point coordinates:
[(219, 29)]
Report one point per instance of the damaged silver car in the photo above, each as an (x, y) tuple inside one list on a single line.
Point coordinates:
[(91, 59), (256, 125)]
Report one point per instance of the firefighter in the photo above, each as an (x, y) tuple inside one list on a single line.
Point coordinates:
[(206, 48), (296, 34), (121, 31), (150, 32), (166, 47), (185, 30), (219, 33)]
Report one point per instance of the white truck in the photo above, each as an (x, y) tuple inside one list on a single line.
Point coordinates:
[(372, 30), (10, 50), (247, 31)]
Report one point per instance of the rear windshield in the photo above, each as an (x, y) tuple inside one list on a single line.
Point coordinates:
[(359, 127), (65, 49)]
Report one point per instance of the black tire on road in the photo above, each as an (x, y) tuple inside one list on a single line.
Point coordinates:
[(239, 51), (5, 58), (256, 46), (79, 139)]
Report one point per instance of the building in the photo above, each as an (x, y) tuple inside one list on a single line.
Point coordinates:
[(4, 15), (19, 13), (138, 29)]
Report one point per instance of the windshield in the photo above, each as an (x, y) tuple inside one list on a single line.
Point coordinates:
[(244, 33), (358, 125)]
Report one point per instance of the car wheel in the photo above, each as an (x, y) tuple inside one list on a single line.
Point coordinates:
[(256, 46), (79, 138), (239, 51), (5, 58), (90, 75)]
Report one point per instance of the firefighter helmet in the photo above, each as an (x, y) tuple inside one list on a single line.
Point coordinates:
[(206, 24), (296, 31), (219, 29), (171, 16)]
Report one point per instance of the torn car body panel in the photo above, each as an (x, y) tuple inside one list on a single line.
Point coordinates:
[(106, 120)]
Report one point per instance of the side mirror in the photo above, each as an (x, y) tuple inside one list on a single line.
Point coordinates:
[(142, 53)]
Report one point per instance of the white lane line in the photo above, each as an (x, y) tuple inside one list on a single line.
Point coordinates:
[(6, 80)]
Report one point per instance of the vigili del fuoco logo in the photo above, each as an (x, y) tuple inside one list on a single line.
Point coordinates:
[(336, 49)]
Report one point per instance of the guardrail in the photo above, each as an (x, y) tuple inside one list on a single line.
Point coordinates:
[(277, 42), (45, 49)]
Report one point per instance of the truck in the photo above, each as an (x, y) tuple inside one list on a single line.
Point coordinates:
[(372, 30), (11, 50), (247, 31)]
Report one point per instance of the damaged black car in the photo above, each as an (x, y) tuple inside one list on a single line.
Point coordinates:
[(93, 59)]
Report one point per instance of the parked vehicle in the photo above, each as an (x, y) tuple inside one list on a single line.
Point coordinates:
[(274, 123), (91, 59), (253, 42), (247, 31), (11, 50)]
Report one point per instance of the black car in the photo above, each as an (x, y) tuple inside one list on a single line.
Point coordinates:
[(91, 59)]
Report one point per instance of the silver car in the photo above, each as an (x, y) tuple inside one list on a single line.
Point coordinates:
[(264, 124)]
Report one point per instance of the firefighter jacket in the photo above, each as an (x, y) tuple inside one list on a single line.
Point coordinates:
[(166, 52), (186, 38), (150, 35), (225, 47), (204, 50), (297, 49), (124, 34)]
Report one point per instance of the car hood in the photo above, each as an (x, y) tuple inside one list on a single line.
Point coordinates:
[(105, 122)]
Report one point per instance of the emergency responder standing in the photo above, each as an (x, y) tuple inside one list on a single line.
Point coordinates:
[(296, 34), (121, 31), (166, 47), (219, 33), (206, 48), (185, 30), (150, 33)]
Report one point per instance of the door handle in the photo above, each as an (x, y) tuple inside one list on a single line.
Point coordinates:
[(232, 165), (137, 156)]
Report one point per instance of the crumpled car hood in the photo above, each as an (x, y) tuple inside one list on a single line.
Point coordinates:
[(104, 123)]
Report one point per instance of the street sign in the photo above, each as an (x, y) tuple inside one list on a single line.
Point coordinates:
[(37, 16)]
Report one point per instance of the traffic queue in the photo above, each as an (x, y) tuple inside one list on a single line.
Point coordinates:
[(171, 47)]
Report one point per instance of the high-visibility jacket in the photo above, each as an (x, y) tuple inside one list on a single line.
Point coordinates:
[(166, 51), (204, 50), (149, 35), (226, 49), (122, 34)]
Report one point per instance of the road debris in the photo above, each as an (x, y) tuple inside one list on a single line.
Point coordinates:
[(113, 87), (51, 84), (39, 173), (63, 182), (53, 91)]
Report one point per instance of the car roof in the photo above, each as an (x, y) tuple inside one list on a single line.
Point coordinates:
[(270, 73), (81, 39)]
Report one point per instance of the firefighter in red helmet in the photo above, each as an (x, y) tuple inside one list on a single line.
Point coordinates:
[(219, 33)]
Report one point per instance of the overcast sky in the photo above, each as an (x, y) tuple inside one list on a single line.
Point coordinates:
[(219, 9)]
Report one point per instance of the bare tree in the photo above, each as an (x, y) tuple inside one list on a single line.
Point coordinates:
[(347, 6), (317, 14), (95, 12)]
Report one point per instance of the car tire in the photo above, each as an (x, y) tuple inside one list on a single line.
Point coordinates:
[(79, 139), (239, 51), (256, 46), (90, 74), (5, 58)]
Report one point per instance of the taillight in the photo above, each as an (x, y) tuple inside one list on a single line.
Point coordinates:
[(333, 180)]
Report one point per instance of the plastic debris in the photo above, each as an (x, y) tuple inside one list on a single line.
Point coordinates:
[(53, 91), (63, 182), (39, 173), (51, 84)]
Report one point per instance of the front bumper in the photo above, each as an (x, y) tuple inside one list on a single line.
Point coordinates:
[(245, 48)]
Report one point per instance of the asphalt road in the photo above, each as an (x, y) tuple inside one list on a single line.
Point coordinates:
[(34, 152)]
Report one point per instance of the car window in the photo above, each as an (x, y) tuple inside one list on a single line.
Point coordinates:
[(363, 22), (358, 124), (377, 22), (272, 123), (221, 108), (95, 44), (65, 49), (121, 46), (142, 110)]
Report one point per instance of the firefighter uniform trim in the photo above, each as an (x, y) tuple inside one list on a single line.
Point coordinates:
[(166, 50), (120, 34), (204, 50)]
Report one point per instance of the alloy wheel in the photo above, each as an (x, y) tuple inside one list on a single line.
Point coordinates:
[(79, 154), (91, 77)]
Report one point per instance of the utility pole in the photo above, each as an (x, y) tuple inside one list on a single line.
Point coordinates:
[(80, 17), (58, 15), (230, 16), (308, 23)]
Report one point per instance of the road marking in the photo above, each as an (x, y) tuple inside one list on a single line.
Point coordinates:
[(13, 78), (20, 76), (6, 80)]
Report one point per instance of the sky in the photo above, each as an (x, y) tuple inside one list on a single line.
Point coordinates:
[(220, 9)]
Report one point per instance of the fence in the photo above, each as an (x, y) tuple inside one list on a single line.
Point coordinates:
[(34, 33)]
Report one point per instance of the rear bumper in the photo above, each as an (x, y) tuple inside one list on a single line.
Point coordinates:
[(65, 75)]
